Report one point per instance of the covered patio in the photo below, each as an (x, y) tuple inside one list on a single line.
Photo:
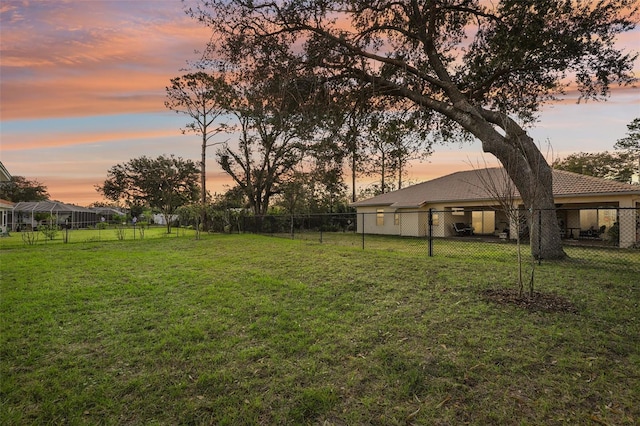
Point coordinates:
[(586, 208)]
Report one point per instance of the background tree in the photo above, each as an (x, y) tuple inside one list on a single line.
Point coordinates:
[(21, 189), (325, 183), (347, 116), (164, 183), (203, 98), (261, 163), (630, 144), (233, 198), (608, 165), (275, 127), (294, 193), (484, 68), (228, 209), (394, 142)]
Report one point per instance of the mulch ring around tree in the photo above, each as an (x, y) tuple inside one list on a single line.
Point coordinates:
[(538, 302)]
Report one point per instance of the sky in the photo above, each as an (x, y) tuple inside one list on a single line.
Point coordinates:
[(82, 88)]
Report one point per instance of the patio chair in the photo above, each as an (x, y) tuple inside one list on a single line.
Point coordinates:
[(461, 229)]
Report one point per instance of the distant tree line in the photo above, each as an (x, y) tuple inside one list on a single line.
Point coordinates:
[(620, 165)]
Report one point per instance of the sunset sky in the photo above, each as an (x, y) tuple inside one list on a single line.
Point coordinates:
[(82, 88)]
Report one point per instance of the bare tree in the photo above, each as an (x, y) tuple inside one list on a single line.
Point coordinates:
[(496, 183)]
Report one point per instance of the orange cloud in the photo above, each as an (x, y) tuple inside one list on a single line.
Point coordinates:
[(61, 139)]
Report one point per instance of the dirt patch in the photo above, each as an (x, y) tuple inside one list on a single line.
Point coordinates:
[(538, 302)]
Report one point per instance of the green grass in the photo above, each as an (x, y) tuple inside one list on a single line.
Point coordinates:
[(110, 233), (242, 329)]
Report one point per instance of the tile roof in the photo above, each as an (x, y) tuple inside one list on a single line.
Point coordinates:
[(6, 204), (466, 186)]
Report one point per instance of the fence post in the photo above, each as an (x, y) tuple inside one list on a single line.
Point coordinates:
[(291, 224), (430, 231), (362, 231)]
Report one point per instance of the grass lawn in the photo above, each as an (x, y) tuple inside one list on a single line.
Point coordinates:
[(244, 329)]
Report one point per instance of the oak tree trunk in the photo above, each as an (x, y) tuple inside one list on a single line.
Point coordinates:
[(532, 176)]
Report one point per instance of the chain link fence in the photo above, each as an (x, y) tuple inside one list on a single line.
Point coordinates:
[(598, 237)]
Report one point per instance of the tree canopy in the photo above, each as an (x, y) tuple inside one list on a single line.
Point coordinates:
[(274, 109), (164, 183), (474, 68), (21, 189), (631, 142)]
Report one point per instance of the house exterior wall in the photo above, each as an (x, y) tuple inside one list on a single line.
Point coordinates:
[(410, 223), (369, 220), (414, 222)]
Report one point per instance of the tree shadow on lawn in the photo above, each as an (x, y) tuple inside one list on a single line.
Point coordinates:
[(539, 302)]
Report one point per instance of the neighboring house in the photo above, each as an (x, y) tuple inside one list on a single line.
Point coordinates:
[(159, 219), (5, 206), (5, 211), (583, 202), (4, 174)]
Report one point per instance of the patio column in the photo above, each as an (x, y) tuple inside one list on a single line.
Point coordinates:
[(627, 224)]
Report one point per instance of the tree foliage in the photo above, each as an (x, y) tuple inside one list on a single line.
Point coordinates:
[(394, 141), (475, 68), (630, 144), (274, 109), (164, 183), (608, 165), (21, 189)]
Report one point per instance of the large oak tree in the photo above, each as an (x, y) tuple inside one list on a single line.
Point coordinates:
[(485, 68)]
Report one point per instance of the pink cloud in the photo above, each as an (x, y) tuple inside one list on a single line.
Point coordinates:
[(84, 58)]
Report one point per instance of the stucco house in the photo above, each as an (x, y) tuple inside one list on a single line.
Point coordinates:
[(583, 203)]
